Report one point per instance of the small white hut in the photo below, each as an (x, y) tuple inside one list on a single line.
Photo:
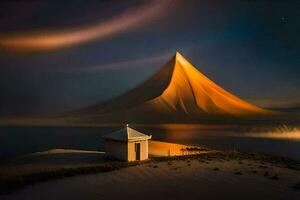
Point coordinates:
[(127, 144)]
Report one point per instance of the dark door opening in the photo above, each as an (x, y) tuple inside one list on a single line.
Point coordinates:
[(137, 151)]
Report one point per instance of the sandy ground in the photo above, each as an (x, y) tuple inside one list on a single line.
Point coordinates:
[(50, 160), (185, 179), (55, 159), (221, 177)]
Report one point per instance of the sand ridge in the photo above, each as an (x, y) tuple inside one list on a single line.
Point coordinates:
[(175, 179)]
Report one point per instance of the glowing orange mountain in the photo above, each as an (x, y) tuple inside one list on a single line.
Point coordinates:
[(177, 89)]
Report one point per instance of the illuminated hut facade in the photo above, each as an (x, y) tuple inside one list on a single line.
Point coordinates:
[(127, 144)]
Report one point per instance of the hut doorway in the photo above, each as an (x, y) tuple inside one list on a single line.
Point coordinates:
[(138, 151)]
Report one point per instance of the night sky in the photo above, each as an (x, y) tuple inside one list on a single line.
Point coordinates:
[(62, 55)]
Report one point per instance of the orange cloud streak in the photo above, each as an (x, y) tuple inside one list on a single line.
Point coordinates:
[(43, 41)]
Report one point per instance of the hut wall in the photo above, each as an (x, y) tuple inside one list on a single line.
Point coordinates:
[(116, 149)]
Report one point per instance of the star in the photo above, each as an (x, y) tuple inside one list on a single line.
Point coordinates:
[(284, 19)]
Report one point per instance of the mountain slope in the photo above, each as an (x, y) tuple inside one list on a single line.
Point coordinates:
[(177, 89), (189, 89)]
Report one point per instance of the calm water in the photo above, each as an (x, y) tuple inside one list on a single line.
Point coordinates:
[(23, 140)]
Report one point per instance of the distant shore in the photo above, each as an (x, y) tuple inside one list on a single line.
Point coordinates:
[(54, 121)]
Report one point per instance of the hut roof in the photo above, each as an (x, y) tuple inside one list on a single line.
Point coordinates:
[(127, 134)]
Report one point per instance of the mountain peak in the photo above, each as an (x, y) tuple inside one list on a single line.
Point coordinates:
[(179, 56), (183, 61), (177, 53), (192, 92), (177, 89)]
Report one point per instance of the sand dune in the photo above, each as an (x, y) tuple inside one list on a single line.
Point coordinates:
[(209, 174), (177, 92), (50, 160), (190, 90), (64, 151), (185, 179)]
